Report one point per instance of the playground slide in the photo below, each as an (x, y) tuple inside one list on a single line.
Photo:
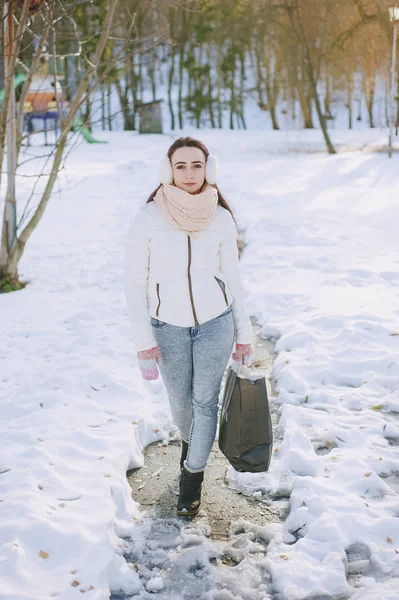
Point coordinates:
[(17, 80), (78, 125)]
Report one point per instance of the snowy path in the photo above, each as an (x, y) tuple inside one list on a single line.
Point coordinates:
[(180, 562), (194, 558)]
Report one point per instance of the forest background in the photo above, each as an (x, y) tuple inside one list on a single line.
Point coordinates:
[(300, 60)]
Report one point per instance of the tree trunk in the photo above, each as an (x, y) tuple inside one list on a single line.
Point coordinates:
[(124, 103), (140, 78), (219, 87), (322, 121), (397, 110), (259, 76), (240, 107), (87, 113), (232, 102), (133, 88), (103, 107), (271, 84), (180, 92), (170, 87), (109, 107), (370, 95), (386, 107), (349, 83), (152, 75), (327, 97), (9, 229), (210, 89), (273, 116), (306, 105)]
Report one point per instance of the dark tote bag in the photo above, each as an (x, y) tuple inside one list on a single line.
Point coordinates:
[(245, 427)]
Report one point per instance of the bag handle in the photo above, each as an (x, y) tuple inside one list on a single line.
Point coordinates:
[(250, 374)]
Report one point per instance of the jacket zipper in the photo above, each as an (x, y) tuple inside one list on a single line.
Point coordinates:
[(221, 285), (159, 300), (189, 282)]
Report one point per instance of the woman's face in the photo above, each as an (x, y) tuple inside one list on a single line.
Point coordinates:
[(188, 166)]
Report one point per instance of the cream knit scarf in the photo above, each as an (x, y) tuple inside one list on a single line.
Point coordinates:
[(189, 212)]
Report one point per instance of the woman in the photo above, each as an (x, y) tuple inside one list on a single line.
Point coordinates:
[(186, 302)]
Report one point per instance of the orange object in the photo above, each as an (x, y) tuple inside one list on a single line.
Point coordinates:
[(40, 100), (42, 92), (34, 5)]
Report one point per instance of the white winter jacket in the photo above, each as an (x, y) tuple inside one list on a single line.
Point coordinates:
[(179, 280)]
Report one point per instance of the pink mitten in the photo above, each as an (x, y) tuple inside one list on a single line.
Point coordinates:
[(148, 362), (244, 354)]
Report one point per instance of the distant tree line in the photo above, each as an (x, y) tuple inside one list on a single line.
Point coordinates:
[(298, 58)]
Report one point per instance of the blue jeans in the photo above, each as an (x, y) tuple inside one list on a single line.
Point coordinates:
[(193, 363)]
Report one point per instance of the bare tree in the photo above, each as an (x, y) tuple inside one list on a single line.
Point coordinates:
[(311, 41), (95, 72)]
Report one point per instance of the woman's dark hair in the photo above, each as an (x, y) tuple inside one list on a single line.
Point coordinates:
[(193, 143)]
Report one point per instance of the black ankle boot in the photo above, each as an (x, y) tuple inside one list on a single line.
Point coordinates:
[(190, 493), (184, 450)]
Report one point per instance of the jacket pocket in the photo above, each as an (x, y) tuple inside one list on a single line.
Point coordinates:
[(159, 300), (223, 288)]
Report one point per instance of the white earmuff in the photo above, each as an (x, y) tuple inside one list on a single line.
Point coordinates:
[(211, 170), (165, 171)]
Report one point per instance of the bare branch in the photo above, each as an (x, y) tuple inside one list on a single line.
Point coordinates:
[(59, 151)]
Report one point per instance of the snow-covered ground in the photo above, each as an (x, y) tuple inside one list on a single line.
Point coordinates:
[(321, 273)]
